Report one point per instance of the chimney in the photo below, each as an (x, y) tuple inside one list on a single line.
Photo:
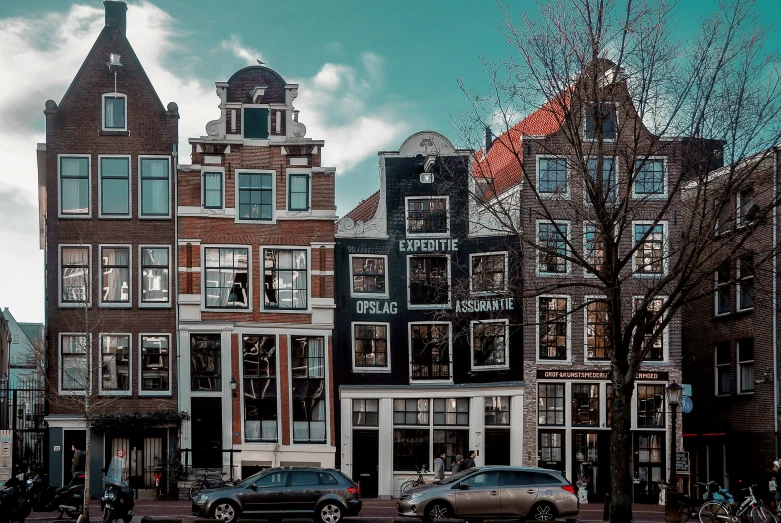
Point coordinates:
[(488, 139), (116, 15)]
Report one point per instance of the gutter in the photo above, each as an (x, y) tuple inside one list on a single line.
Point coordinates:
[(775, 297)]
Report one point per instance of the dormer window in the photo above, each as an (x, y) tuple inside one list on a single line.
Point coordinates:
[(114, 112), (255, 123), (604, 113)]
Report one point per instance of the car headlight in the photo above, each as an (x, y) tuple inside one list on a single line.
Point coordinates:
[(416, 495), (199, 499), (110, 496)]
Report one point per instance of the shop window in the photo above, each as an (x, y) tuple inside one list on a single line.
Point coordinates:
[(553, 326), (75, 277), (155, 187), (366, 413), (723, 298), (489, 345), (115, 275), (430, 351), (650, 179), (552, 248), (597, 342), (605, 113), (451, 442), (155, 263), (745, 366), (411, 449), (605, 186), (746, 283), (411, 412), (256, 193), (371, 346), (427, 216), (205, 362), (255, 123), (309, 394), (74, 186), (212, 190), (451, 411), (227, 278), (114, 186), (155, 363), (585, 404), (550, 407), (650, 406), (723, 369), (654, 346), (429, 280), (115, 363), (649, 259), (285, 279), (488, 273), (369, 275), (552, 177), (259, 360), (73, 360), (497, 410)]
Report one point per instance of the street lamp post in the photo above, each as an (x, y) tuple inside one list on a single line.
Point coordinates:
[(671, 513)]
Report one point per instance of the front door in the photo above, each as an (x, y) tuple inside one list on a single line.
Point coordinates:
[(71, 438), (497, 446), (649, 465), (551, 450), (481, 498), (266, 494), (366, 460), (207, 432), (518, 492)]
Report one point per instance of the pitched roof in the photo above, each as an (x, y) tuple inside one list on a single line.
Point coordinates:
[(364, 211), (33, 331)]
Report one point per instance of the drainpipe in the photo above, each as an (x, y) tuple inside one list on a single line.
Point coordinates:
[(776, 151)]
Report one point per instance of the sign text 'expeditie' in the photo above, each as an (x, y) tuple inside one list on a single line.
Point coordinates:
[(428, 245)]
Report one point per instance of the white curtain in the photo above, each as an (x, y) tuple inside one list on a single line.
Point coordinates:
[(74, 185), (316, 348), (155, 186)]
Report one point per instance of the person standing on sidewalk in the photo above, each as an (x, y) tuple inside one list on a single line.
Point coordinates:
[(457, 464), (775, 485), (469, 462), (439, 467)]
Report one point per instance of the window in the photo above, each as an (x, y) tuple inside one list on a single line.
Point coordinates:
[(411, 449), (724, 216), (551, 446), (427, 216), (604, 185), (260, 388), (205, 362), (300, 478), (654, 347), (115, 275), (497, 410), (309, 396), (285, 279), (256, 196), (552, 247), (298, 192), (552, 329), (327, 478), (483, 187), (74, 186), (227, 278), (114, 112), (488, 273), (155, 363), (723, 369), (747, 210), (411, 411), (745, 366), (450, 442), (552, 176), (255, 123), (155, 284), (369, 275), (212, 190), (550, 407), (516, 478), (593, 247), (451, 411), (430, 351), (585, 404), (366, 413), (597, 344), (649, 259), (650, 405), (650, 178), (272, 480), (114, 186), (115, 363), (489, 345), (371, 346), (723, 299), (155, 187), (604, 113), (429, 280), (746, 282), (73, 359), (75, 278)]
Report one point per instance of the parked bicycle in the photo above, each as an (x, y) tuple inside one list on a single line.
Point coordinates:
[(688, 507), (724, 511), (414, 482), (205, 482)]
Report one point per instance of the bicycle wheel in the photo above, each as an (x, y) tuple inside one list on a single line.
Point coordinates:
[(410, 483), (762, 514), (713, 512), (685, 509), (196, 488)]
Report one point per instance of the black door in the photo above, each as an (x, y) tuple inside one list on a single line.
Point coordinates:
[(550, 448), (497, 446), (366, 460), (207, 432), (77, 438)]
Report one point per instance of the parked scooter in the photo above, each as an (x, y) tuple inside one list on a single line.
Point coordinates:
[(13, 503), (117, 501), (65, 500)]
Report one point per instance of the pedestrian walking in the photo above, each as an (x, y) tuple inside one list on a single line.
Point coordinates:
[(469, 462), (457, 464), (439, 467), (775, 485), (78, 459)]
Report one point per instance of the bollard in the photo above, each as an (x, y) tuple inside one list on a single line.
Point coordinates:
[(606, 510)]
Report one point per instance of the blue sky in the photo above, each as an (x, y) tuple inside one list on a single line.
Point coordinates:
[(371, 73)]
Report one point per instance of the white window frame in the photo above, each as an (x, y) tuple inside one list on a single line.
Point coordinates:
[(483, 368), (237, 173), (716, 366), (298, 171), (326, 380), (506, 270), (407, 234), (129, 188), (262, 444), (171, 276), (665, 334), (738, 280), (250, 283), (616, 164), (450, 355), (740, 363), (353, 294), (256, 141), (665, 176), (309, 275), (208, 169), (101, 390), (449, 283), (567, 242), (60, 214), (129, 247), (586, 224), (566, 195), (66, 392), (75, 305), (739, 223), (665, 247), (141, 215), (586, 359), (373, 370), (605, 140), (716, 286), (568, 360), (103, 112), (171, 361)]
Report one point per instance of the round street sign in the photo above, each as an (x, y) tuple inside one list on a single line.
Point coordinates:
[(120, 453), (686, 404)]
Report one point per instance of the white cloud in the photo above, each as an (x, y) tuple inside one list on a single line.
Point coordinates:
[(247, 54)]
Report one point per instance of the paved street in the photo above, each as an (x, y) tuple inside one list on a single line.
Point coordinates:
[(373, 510)]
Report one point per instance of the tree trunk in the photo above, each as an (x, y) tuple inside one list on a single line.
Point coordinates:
[(621, 456), (87, 456)]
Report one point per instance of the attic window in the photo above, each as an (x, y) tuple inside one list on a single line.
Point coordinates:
[(604, 113), (114, 112), (255, 123)]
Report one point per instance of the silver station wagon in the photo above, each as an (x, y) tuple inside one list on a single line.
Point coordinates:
[(495, 493)]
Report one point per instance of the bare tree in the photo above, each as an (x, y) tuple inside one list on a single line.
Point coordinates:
[(632, 210)]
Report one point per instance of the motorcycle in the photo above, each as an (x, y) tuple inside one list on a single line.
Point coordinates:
[(65, 500), (117, 501), (13, 503)]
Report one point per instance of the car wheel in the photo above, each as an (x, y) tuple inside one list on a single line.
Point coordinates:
[(330, 512), (543, 512), (438, 509), (225, 511)]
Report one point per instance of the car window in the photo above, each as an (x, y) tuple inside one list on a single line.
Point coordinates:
[(457, 476), (327, 479), (303, 479), (544, 480), (516, 478), (484, 479), (275, 479)]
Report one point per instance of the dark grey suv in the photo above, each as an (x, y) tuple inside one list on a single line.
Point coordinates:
[(326, 495)]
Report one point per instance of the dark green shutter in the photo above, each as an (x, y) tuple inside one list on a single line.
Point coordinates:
[(255, 123)]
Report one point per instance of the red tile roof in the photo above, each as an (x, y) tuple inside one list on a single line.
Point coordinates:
[(365, 210)]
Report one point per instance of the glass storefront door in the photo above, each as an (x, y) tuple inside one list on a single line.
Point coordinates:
[(649, 465)]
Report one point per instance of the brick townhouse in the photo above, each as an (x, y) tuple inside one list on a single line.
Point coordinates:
[(731, 338), (256, 286), (429, 353), (108, 236)]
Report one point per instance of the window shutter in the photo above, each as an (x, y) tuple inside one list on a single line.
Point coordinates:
[(255, 123)]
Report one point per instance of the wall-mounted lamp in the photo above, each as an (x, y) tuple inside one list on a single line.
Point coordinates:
[(234, 384)]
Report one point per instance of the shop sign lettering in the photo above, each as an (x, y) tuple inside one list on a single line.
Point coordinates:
[(376, 307), (428, 245), (595, 375), (499, 304)]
